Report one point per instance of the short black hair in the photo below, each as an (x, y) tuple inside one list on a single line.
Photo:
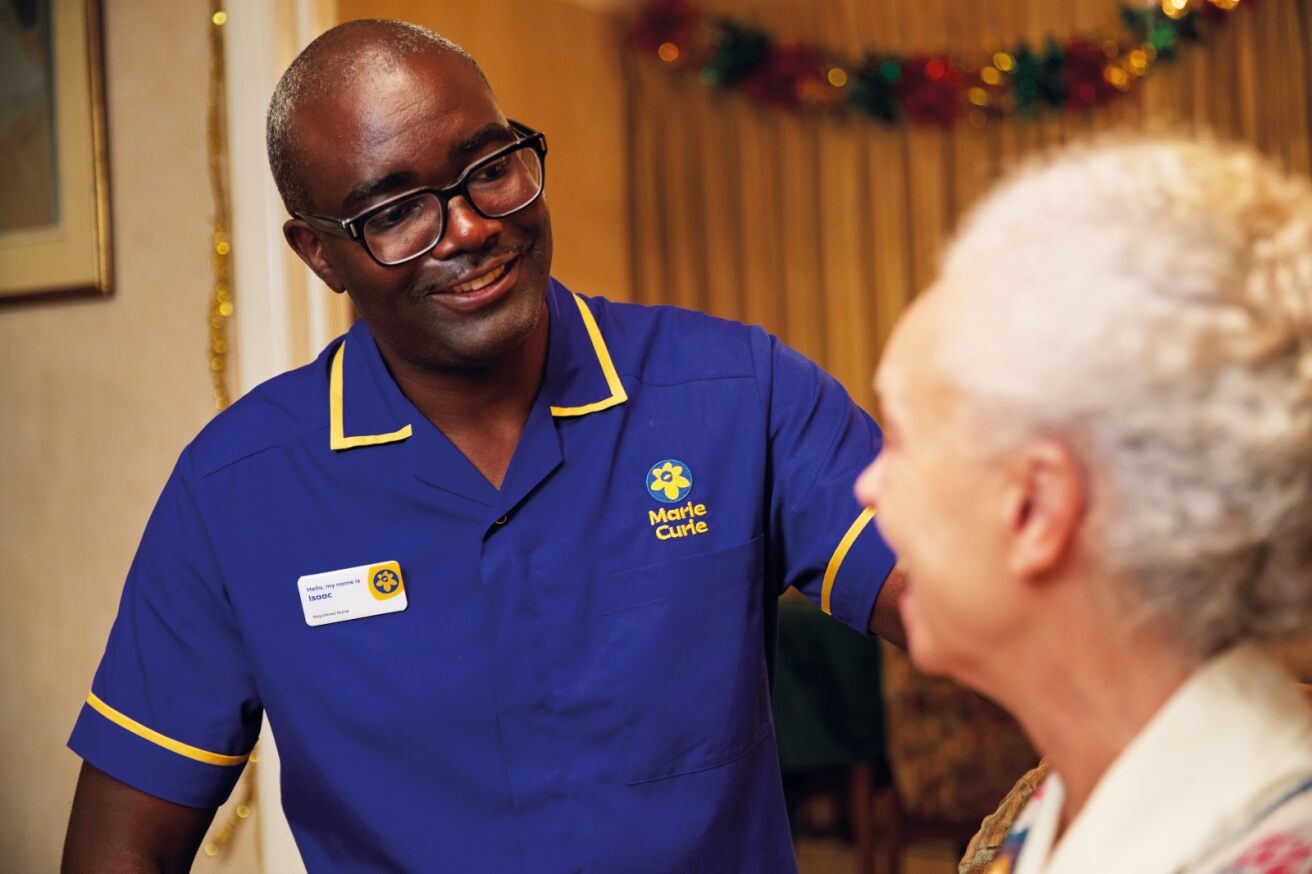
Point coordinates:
[(339, 56)]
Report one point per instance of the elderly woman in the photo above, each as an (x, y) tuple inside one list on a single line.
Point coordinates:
[(1098, 475)]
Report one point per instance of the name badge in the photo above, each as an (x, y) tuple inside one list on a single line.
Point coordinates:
[(352, 593)]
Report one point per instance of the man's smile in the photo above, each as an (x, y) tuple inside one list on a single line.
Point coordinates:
[(479, 287), (481, 281)]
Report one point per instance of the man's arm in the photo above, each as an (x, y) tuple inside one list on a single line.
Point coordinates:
[(116, 829), (886, 618)]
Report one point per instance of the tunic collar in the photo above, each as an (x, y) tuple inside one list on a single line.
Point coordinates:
[(367, 408)]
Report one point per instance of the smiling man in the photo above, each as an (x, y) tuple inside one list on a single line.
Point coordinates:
[(501, 566)]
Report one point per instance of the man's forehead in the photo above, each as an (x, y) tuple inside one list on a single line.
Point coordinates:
[(378, 95), (428, 114)]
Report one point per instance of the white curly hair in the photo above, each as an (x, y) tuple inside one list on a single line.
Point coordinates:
[(1150, 302)]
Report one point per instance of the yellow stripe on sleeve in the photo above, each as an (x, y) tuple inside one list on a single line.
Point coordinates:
[(840, 553), (155, 737)]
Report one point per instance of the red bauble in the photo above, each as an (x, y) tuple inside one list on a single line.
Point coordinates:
[(786, 77), (672, 21), (929, 91), (1082, 75)]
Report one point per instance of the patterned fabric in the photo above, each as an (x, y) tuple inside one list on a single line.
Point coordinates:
[(1235, 798), (953, 754), (1281, 853), (1278, 841), (989, 841), (1034, 832), (1008, 853)]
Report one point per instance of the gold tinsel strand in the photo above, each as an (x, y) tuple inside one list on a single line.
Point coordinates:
[(220, 312), (220, 837), (221, 247)]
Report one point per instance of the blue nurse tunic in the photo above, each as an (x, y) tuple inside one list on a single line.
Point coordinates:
[(579, 679)]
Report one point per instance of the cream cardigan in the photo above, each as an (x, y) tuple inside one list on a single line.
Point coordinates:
[(1218, 781)]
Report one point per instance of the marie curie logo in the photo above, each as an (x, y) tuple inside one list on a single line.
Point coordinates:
[(385, 580), (669, 481)]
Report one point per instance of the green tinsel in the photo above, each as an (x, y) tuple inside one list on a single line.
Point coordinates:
[(737, 51), (1039, 78), (874, 88), (1056, 75)]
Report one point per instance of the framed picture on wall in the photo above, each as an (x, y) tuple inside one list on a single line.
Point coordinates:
[(54, 193)]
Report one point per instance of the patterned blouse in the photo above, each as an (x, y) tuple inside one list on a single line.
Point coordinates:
[(1218, 782)]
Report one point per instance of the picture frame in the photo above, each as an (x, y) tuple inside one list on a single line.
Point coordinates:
[(55, 234)]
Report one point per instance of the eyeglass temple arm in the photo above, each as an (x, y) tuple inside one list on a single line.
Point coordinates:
[(525, 132), (324, 223)]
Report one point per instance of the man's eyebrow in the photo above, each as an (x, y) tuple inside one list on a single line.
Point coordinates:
[(393, 182), (494, 133)]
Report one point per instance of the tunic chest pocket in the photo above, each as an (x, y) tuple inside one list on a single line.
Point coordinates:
[(686, 657)]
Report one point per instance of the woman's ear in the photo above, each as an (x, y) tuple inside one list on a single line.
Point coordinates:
[(1045, 508)]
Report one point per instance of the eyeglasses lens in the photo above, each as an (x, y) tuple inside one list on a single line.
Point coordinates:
[(409, 227)]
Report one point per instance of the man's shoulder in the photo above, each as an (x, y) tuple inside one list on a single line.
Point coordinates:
[(280, 412), (668, 344)]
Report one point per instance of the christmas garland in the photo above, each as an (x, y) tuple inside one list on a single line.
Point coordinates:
[(1074, 74)]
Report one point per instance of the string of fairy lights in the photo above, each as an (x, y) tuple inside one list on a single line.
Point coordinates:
[(1021, 80), (221, 307), (220, 312)]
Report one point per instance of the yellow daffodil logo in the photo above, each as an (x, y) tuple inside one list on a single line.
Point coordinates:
[(669, 481), (385, 580)]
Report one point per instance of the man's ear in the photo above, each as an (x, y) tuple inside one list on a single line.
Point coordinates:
[(309, 248), (1045, 509)]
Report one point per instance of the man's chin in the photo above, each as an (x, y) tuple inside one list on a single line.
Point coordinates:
[(492, 341)]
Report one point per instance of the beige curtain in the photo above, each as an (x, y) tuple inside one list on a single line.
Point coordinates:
[(822, 229)]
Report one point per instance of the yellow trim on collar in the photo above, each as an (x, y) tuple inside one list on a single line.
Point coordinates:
[(168, 743), (337, 438), (840, 553), (617, 393)]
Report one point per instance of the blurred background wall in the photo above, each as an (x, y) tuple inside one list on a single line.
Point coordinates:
[(661, 190), (98, 399)]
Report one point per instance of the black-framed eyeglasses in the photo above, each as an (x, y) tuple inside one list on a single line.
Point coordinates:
[(409, 225)]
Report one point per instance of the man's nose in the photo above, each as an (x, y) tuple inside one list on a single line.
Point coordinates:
[(466, 230)]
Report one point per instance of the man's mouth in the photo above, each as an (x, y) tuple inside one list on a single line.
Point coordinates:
[(479, 288), (481, 282)]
